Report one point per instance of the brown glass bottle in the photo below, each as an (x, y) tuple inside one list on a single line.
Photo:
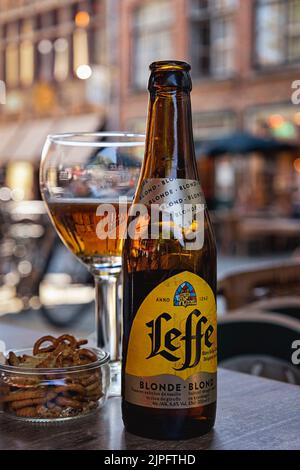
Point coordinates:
[(169, 313)]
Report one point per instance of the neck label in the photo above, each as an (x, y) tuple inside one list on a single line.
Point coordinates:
[(182, 198)]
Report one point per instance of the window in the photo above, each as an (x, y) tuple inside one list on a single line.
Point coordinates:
[(99, 36), (294, 30), (277, 32), (45, 49), (12, 56), (152, 38), (27, 54), (80, 48), (45, 60), (61, 61), (212, 39), (210, 124), (96, 40)]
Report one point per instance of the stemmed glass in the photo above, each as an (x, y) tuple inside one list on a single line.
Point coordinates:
[(87, 181)]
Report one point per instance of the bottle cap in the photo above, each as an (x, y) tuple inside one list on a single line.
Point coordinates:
[(168, 65), (170, 75)]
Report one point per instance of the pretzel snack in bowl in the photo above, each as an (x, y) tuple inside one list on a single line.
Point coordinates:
[(61, 378)]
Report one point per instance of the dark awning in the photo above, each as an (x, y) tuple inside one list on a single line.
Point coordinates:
[(243, 143)]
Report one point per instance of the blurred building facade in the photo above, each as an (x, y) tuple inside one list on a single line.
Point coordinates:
[(47, 51), (54, 65), (245, 54), (70, 57), (55, 70), (82, 65)]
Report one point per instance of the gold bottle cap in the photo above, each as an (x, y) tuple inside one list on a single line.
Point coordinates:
[(169, 65)]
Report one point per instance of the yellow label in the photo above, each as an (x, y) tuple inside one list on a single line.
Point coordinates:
[(174, 330)]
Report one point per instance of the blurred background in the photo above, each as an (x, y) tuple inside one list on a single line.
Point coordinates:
[(70, 65)]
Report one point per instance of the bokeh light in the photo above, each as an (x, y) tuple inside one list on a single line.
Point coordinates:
[(297, 119), (24, 268), (61, 45), (82, 19), (276, 120), (12, 278), (45, 46), (83, 72), (17, 194), (34, 303), (297, 165), (5, 194)]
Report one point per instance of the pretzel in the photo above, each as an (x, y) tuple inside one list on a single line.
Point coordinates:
[(19, 381), (63, 356), (48, 396), (92, 386), (94, 392), (47, 363), (50, 405), (81, 342), (18, 404), (44, 412), (4, 388), (89, 379), (71, 339), (87, 353), (90, 405), (22, 395), (37, 345), (28, 412), (70, 388), (69, 402), (50, 360), (13, 360)]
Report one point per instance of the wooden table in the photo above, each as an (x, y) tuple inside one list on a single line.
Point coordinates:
[(253, 413)]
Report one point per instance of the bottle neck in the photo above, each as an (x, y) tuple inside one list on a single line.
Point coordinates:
[(169, 143)]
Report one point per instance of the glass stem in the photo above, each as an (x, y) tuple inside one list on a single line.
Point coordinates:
[(109, 313)]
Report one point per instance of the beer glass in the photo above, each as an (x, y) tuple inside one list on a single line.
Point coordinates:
[(87, 181)]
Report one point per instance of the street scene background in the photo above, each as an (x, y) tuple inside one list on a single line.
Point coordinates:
[(74, 65)]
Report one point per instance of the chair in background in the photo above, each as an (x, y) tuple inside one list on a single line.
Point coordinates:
[(259, 344), (26, 242), (288, 306), (66, 291), (265, 234), (244, 287)]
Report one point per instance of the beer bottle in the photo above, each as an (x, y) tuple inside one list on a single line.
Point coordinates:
[(169, 308)]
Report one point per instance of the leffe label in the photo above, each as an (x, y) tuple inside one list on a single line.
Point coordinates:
[(172, 350), (183, 198)]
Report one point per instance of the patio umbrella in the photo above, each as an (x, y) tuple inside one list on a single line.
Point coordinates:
[(244, 142)]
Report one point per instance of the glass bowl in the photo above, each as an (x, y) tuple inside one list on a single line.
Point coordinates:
[(56, 394)]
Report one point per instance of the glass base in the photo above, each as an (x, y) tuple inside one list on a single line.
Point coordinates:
[(115, 379)]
